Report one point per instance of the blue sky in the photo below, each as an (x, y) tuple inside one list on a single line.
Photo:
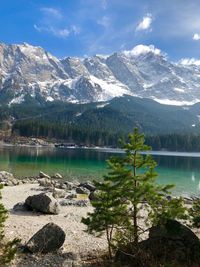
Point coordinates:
[(88, 27)]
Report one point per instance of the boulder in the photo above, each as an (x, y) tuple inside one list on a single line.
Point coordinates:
[(89, 186), (48, 239), (169, 244), (172, 242), (44, 175), (45, 182), (43, 202), (57, 176), (82, 190), (59, 193)]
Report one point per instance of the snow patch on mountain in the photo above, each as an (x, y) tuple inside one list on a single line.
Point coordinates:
[(175, 102)]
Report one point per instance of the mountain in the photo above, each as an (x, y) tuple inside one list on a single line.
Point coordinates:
[(145, 72)]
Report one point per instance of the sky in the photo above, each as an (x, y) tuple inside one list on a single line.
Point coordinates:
[(87, 27)]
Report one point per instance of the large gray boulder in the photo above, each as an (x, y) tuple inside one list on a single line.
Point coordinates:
[(169, 244), (173, 242), (43, 202), (48, 239)]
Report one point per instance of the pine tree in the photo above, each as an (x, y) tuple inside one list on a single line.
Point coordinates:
[(128, 189), (7, 250)]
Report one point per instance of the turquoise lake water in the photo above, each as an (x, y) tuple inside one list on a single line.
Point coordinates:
[(181, 169)]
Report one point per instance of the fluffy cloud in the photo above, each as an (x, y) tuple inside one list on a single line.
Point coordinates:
[(142, 49), (145, 24), (196, 37)]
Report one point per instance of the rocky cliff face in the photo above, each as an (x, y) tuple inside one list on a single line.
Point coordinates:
[(143, 72)]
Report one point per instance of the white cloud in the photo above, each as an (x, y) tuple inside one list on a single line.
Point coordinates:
[(190, 61), (52, 12), (58, 32), (104, 21), (142, 49), (145, 24), (196, 37)]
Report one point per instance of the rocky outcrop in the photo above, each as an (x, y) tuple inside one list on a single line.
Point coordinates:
[(48, 239), (43, 202)]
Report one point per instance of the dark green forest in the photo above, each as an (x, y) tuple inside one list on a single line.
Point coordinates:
[(103, 124)]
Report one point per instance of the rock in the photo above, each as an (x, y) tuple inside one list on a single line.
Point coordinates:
[(72, 202), (7, 178), (89, 186), (6, 175), (69, 185), (173, 242), (57, 176), (44, 175), (48, 239), (45, 182), (21, 206), (82, 190), (59, 193), (43, 202), (71, 195)]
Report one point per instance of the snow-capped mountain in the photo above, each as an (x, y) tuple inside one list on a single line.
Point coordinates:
[(143, 72)]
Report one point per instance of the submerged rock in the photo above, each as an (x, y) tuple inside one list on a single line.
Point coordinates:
[(48, 239), (43, 202)]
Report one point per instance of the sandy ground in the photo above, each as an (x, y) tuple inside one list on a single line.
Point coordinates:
[(24, 224)]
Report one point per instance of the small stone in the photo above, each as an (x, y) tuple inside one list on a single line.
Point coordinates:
[(82, 190), (57, 176), (44, 175), (59, 193)]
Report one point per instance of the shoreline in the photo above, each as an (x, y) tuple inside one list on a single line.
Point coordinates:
[(23, 224)]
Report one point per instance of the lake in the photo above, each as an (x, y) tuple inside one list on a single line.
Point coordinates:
[(181, 169)]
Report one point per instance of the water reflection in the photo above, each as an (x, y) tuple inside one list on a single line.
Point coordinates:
[(90, 164)]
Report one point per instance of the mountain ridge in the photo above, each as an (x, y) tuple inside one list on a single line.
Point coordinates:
[(143, 72)]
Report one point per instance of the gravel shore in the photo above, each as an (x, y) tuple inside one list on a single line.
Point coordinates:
[(24, 224)]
